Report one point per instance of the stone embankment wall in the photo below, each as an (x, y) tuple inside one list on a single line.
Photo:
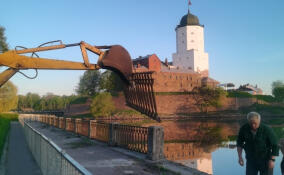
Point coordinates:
[(171, 104), (174, 104), (185, 104)]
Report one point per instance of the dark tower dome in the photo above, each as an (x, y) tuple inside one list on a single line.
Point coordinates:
[(189, 20)]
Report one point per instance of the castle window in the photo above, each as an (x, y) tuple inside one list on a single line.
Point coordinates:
[(192, 33), (192, 41), (182, 41)]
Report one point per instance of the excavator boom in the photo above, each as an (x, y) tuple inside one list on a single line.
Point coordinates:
[(114, 57), (139, 86)]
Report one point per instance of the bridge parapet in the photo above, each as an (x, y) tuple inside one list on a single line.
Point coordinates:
[(146, 140)]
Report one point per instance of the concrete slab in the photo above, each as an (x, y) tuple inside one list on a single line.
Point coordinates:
[(19, 158), (98, 158)]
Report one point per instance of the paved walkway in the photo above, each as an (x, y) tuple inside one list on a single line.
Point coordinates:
[(98, 158), (19, 158)]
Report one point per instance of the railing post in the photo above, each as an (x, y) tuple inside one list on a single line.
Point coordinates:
[(112, 140), (155, 143), (92, 129), (78, 126), (89, 129)]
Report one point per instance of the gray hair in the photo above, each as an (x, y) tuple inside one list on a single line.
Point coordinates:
[(253, 115)]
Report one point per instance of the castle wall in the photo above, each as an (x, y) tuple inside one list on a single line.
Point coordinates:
[(174, 104), (175, 82), (185, 104)]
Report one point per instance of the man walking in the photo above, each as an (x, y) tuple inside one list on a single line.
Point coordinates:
[(260, 145)]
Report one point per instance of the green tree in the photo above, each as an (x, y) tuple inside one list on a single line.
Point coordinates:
[(111, 82), (8, 97), (21, 102), (46, 102), (3, 44), (277, 83), (32, 99), (102, 105), (205, 97), (89, 83), (278, 90)]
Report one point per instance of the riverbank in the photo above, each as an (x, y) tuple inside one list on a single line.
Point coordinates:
[(98, 158)]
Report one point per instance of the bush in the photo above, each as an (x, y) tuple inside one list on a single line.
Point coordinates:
[(102, 105), (8, 97), (4, 127), (278, 93), (239, 94), (266, 98), (205, 97)]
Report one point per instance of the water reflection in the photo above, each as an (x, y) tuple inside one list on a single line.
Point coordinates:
[(203, 144), (189, 154)]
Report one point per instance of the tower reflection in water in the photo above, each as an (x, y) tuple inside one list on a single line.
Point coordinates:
[(194, 147), (190, 155)]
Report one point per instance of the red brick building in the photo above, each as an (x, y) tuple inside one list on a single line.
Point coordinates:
[(147, 63), (168, 78)]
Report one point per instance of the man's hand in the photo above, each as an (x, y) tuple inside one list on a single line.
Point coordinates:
[(241, 161), (240, 150), (270, 164)]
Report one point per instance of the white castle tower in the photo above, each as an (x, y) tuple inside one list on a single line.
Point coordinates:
[(190, 52)]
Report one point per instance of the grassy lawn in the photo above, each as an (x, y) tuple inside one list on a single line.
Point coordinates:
[(122, 114), (264, 109), (88, 115), (5, 126), (79, 100)]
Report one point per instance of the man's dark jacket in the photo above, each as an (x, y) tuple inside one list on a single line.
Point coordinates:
[(259, 147)]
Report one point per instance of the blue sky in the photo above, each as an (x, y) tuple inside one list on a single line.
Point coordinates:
[(244, 39)]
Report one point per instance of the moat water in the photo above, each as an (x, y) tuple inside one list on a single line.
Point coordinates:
[(210, 146)]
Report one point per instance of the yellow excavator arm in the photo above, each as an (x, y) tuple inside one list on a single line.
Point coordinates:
[(139, 93), (113, 57)]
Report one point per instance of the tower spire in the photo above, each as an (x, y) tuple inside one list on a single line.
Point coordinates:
[(189, 4)]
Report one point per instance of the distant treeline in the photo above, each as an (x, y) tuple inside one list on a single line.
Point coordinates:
[(32, 101)]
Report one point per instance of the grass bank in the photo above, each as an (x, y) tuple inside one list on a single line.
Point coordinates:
[(5, 119), (264, 109)]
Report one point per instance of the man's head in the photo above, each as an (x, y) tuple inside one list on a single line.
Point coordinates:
[(254, 120)]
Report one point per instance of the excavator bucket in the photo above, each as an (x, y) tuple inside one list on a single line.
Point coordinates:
[(138, 91), (140, 94), (118, 60)]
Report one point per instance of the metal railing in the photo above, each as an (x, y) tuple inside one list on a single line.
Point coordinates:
[(99, 131), (147, 140), (50, 158), (131, 137)]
